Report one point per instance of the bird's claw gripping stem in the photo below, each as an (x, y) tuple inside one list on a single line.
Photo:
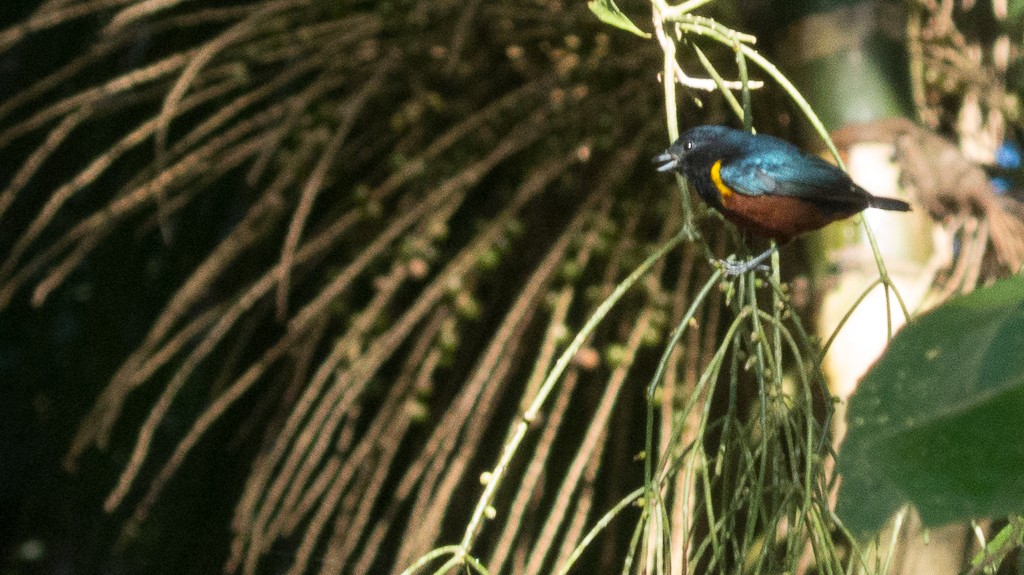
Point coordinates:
[(733, 269)]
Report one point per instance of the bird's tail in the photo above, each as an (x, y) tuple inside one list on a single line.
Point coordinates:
[(889, 204)]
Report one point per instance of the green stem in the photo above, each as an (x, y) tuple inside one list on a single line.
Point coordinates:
[(737, 108), (659, 373), (512, 445), (452, 550), (849, 314)]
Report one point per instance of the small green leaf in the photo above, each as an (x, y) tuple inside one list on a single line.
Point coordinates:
[(609, 13), (939, 420), (1008, 540)]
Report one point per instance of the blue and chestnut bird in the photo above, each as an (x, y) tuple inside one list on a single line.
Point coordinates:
[(765, 185)]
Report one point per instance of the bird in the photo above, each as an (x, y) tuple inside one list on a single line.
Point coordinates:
[(765, 185)]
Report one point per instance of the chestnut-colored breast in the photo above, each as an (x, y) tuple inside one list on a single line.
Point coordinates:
[(777, 217)]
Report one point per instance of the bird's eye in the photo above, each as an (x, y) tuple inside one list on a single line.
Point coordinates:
[(688, 145)]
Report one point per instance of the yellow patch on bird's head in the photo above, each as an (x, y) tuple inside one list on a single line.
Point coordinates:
[(724, 191)]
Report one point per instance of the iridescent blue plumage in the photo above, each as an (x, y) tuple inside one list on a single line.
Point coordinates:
[(762, 165), (766, 185)]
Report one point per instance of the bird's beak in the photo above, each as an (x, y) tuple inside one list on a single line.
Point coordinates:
[(670, 162)]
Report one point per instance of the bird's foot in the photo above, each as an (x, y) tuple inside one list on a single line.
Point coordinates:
[(734, 268)]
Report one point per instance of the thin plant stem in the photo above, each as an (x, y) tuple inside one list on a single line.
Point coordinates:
[(512, 445)]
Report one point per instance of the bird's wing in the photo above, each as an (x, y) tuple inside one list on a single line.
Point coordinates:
[(798, 176)]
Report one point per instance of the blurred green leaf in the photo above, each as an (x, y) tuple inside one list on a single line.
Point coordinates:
[(939, 420), (609, 13), (1014, 22), (1009, 539)]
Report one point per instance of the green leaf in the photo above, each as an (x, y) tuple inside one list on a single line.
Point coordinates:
[(939, 420), (1008, 540), (1014, 22), (609, 13)]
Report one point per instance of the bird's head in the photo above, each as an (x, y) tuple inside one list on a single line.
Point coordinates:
[(690, 145)]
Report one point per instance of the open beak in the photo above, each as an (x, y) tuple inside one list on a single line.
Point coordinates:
[(670, 162)]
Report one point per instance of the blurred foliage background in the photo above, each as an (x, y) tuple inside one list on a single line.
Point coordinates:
[(276, 277)]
